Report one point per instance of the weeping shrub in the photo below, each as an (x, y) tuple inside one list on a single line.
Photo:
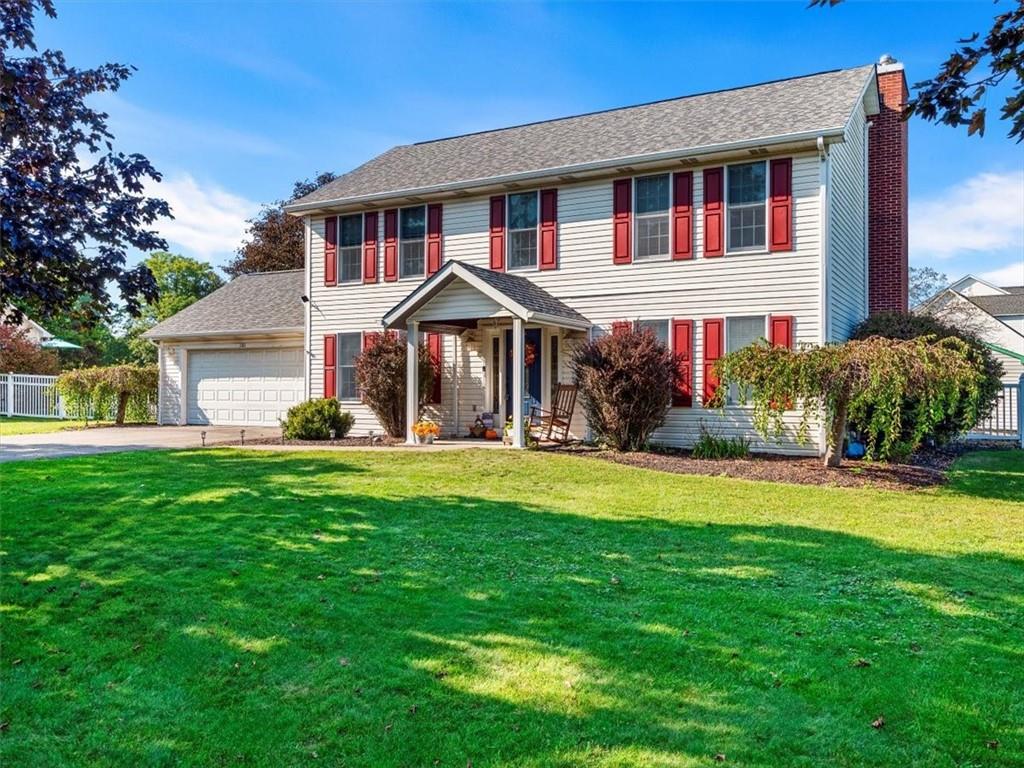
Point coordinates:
[(625, 382), (899, 325), (314, 420), (868, 382), (380, 375), (94, 392)]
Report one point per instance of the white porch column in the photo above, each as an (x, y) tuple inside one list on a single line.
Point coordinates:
[(412, 384), (518, 381)]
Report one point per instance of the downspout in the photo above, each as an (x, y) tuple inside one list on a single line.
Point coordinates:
[(825, 182)]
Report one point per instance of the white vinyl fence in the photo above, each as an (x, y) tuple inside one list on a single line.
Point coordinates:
[(27, 394), (1006, 419)]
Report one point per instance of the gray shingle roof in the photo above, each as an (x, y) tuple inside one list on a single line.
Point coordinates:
[(260, 302), (1005, 304), (525, 293), (800, 105)]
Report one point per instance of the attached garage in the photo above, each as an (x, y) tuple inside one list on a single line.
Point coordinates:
[(236, 357), (243, 386)]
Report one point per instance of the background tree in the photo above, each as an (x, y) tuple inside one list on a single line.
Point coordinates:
[(925, 282), (181, 281), (72, 206), (19, 354), (957, 94), (275, 240)]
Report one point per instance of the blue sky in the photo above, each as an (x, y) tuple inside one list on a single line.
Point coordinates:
[(235, 101)]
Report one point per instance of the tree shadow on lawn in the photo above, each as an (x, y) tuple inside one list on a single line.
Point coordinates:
[(992, 474), (259, 621)]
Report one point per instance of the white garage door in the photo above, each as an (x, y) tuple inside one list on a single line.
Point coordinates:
[(243, 386)]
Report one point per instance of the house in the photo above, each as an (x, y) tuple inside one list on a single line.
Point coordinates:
[(777, 210), (994, 313)]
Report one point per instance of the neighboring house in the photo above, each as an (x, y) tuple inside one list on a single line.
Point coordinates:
[(995, 314), (777, 210)]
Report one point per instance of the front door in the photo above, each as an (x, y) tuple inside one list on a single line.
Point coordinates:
[(533, 351)]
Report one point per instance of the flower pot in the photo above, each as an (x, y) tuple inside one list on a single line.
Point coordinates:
[(429, 439)]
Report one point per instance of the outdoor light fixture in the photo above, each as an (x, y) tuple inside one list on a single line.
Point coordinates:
[(202, 436), (305, 299), (243, 437), (333, 433)]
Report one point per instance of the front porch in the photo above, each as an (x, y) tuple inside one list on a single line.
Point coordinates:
[(500, 340)]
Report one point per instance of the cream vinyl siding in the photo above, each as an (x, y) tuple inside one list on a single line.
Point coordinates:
[(170, 384), (848, 260), (587, 280)]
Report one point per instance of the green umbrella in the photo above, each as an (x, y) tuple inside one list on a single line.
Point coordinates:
[(58, 344)]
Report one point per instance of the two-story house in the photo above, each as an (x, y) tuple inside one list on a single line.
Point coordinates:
[(774, 211)]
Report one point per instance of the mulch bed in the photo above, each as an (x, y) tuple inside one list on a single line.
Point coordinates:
[(347, 442), (925, 469)]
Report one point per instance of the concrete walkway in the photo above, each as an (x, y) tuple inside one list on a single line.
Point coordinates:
[(85, 442)]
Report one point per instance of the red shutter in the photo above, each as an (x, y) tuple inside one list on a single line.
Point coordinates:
[(549, 229), (331, 250), (434, 348), (780, 330), (682, 215), (714, 212), (330, 365), (714, 344), (621, 326), (622, 221), (370, 338), (498, 233), (391, 245), (434, 215), (780, 206), (370, 247), (682, 346)]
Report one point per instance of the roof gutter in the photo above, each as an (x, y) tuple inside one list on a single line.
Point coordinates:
[(831, 135), (239, 332)]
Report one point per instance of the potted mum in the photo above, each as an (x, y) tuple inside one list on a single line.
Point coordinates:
[(426, 430)]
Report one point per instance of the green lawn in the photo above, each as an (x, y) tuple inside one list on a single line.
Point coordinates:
[(491, 608), (25, 425)]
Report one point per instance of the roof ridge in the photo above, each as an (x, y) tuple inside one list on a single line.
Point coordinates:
[(633, 106)]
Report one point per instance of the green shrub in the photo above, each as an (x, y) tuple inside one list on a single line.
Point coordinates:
[(314, 420), (899, 325), (625, 380), (712, 446), (130, 390)]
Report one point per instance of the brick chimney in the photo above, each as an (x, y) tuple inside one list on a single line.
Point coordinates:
[(888, 268)]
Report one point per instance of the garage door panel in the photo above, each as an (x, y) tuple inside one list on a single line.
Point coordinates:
[(243, 387)]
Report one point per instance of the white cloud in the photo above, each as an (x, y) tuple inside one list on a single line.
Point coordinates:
[(1011, 274), (208, 220), (983, 214)]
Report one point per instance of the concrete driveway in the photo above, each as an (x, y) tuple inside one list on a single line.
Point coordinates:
[(83, 442)]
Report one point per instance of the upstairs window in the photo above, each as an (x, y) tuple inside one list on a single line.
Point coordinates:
[(652, 217), (522, 230), (746, 196), (350, 249), (350, 346), (412, 241)]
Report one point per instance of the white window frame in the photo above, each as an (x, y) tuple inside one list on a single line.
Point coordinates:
[(508, 234), (338, 366), (667, 256), (729, 401), (401, 240), (729, 250), (339, 248)]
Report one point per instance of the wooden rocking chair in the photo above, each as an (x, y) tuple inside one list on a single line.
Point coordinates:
[(553, 425)]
